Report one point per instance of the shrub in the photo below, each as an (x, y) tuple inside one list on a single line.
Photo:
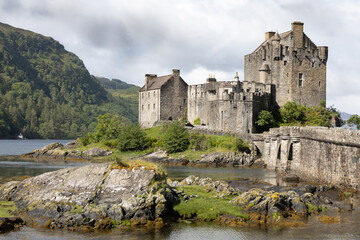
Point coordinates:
[(197, 121), (241, 146), (198, 142), (86, 139), (174, 137), (132, 138)]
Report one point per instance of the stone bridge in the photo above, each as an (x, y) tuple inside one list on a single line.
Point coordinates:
[(314, 153)]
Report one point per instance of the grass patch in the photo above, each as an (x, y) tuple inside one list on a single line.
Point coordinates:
[(137, 164), (6, 207), (206, 206), (153, 132)]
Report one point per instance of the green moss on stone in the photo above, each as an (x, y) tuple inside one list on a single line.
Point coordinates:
[(206, 206)]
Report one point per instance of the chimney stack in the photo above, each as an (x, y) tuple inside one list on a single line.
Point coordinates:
[(148, 78), (298, 34), (268, 35)]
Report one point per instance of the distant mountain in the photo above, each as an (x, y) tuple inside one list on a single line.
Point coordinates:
[(114, 84), (46, 91)]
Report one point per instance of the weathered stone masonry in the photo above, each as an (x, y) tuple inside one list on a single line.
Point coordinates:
[(313, 153), (285, 67)]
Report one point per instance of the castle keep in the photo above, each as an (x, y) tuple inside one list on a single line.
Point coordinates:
[(285, 67)]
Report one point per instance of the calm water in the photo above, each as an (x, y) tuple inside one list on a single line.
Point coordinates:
[(12, 168), (17, 147)]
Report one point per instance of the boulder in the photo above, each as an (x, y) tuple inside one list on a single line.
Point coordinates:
[(272, 206), (51, 146), (227, 159), (97, 152), (71, 145), (157, 155), (85, 196)]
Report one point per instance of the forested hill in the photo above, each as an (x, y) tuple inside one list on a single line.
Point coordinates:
[(46, 91)]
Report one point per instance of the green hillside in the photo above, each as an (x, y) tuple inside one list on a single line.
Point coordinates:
[(46, 91), (129, 93)]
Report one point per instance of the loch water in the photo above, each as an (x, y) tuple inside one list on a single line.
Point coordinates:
[(13, 168)]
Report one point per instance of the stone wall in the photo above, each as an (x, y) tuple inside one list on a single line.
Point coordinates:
[(149, 107), (313, 153), (228, 106)]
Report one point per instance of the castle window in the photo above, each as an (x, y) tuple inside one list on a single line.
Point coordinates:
[(142, 95), (319, 84), (300, 63), (154, 106), (180, 107), (300, 79), (313, 64), (285, 62), (184, 101), (287, 74), (148, 94), (148, 106), (142, 107), (154, 93)]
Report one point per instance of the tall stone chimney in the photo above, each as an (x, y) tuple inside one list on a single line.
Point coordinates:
[(268, 35), (298, 34), (148, 78)]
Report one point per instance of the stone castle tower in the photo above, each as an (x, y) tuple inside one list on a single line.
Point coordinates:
[(293, 64), (285, 67)]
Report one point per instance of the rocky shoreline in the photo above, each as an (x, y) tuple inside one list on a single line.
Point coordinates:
[(102, 196), (216, 159)]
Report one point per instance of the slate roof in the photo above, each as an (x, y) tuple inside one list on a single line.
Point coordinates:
[(157, 82)]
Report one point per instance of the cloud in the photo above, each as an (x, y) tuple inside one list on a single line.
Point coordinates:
[(125, 40), (10, 5)]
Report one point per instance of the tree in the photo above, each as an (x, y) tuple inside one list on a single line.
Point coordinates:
[(265, 120), (175, 137), (292, 113), (109, 126), (354, 120)]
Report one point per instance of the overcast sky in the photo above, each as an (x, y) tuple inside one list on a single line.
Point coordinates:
[(126, 39)]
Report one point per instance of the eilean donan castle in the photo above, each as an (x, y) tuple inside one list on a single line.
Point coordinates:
[(285, 67)]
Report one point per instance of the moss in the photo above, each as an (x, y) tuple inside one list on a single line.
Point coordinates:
[(348, 194), (6, 207), (77, 209), (125, 222), (251, 205), (206, 206), (276, 216), (311, 208)]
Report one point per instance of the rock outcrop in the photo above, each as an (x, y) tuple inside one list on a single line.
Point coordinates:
[(215, 159), (93, 196), (59, 151)]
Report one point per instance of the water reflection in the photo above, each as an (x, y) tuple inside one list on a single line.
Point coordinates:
[(15, 168)]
